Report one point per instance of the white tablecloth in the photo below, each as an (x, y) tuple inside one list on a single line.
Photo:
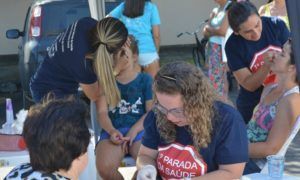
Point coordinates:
[(8, 160), (260, 176)]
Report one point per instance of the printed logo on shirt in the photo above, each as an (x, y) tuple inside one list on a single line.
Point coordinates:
[(177, 161), (258, 61), (125, 107), (61, 39)]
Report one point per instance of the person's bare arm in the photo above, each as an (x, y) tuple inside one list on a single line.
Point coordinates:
[(287, 113), (146, 156), (138, 126), (140, 123), (220, 31), (262, 10), (229, 171), (102, 114), (96, 94), (156, 36), (251, 81), (92, 91), (205, 32)]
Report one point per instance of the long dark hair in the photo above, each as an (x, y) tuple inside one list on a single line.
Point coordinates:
[(292, 58), (134, 8)]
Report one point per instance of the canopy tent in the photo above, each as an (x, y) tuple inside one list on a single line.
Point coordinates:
[(293, 7)]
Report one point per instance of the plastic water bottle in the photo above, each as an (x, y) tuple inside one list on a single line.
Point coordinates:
[(9, 111), (9, 141), (7, 126)]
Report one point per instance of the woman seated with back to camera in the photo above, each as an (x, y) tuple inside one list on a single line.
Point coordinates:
[(190, 135), (275, 116), (57, 138)]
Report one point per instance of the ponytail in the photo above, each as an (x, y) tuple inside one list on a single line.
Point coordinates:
[(104, 70), (108, 36)]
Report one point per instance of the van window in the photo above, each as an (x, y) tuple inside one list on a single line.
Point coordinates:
[(61, 16), (111, 4)]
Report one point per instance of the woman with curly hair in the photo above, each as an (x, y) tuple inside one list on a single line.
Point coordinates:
[(189, 133)]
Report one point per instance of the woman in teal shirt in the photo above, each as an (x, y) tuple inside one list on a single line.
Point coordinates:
[(141, 17)]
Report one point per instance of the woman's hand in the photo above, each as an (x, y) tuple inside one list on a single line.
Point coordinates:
[(127, 43), (206, 31), (121, 60), (131, 134), (116, 137)]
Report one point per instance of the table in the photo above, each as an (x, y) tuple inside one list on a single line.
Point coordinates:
[(8, 160), (262, 176)]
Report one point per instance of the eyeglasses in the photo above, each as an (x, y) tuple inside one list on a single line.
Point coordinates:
[(177, 112)]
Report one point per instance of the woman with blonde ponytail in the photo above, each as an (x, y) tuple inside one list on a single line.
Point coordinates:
[(82, 56), (108, 38)]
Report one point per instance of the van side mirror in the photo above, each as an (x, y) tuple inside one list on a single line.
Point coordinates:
[(13, 34)]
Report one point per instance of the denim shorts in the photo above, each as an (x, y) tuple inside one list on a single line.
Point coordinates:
[(147, 58), (124, 131)]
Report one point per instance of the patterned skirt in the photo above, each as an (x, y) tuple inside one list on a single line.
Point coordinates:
[(217, 69)]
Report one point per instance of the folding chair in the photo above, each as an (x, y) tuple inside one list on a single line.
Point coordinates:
[(286, 144)]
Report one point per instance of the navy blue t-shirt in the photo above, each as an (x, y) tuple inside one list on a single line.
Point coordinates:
[(228, 144), (65, 65), (132, 106), (241, 52)]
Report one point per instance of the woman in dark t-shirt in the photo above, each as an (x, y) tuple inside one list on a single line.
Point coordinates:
[(190, 133), (81, 56)]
